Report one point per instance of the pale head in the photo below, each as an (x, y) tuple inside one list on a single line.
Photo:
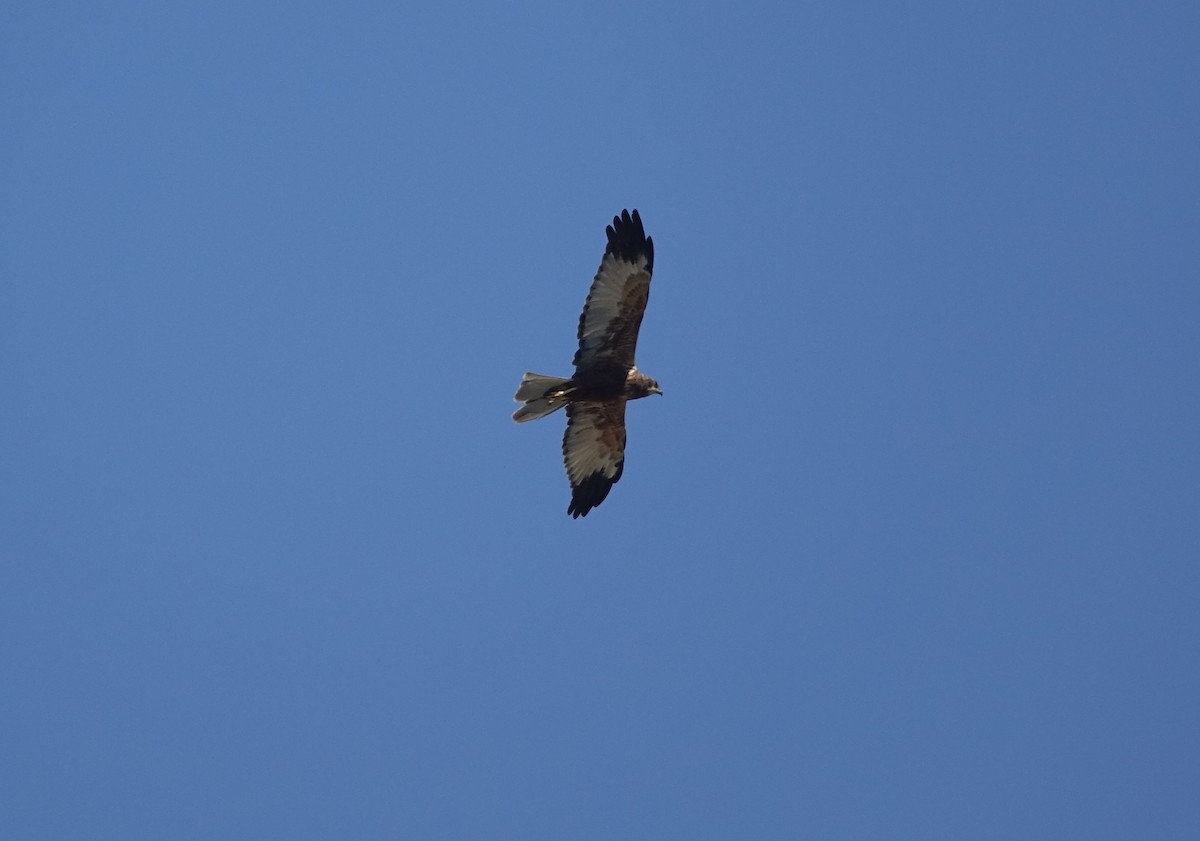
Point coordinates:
[(638, 385)]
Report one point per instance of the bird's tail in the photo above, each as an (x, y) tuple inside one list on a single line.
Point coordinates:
[(541, 394)]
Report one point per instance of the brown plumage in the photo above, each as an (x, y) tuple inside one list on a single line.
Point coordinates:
[(606, 377)]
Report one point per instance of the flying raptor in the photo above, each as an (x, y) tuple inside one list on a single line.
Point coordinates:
[(605, 375)]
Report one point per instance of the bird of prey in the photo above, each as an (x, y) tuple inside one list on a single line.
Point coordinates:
[(605, 375)]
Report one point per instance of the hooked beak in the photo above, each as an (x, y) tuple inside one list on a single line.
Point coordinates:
[(656, 390)]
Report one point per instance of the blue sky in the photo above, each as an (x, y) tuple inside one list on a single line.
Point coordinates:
[(908, 548)]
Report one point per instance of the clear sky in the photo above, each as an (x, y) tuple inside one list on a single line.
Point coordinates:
[(909, 548)]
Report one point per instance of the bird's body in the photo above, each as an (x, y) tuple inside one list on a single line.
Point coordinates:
[(606, 377)]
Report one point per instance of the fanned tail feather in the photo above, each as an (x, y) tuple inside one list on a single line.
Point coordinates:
[(541, 394)]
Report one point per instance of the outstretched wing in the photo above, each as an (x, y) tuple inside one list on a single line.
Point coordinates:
[(608, 327), (593, 451)]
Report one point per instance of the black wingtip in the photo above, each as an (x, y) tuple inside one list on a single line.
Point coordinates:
[(627, 239), (592, 491)]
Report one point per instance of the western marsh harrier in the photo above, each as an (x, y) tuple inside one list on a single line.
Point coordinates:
[(605, 375)]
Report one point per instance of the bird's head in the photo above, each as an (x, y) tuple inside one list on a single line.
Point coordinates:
[(638, 385)]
